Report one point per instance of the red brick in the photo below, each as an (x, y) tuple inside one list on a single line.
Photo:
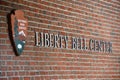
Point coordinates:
[(97, 20)]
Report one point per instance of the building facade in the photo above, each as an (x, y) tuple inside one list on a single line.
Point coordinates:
[(66, 40)]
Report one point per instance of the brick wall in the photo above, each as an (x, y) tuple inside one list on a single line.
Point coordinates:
[(91, 19)]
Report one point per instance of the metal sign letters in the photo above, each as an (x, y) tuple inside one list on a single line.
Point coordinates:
[(76, 43)]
